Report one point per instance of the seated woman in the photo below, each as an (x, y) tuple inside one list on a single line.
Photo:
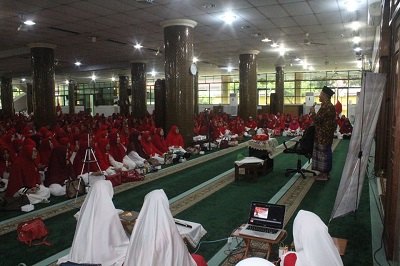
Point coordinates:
[(25, 178), (99, 235), (158, 140), (314, 245), (5, 167), (102, 154), (150, 149), (59, 170), (117, 153), (174, 140), (346, 129), (157, 241), (135, 150)]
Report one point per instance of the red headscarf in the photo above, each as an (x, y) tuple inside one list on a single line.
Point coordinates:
[(45, 151), (23, 172), (148, 145), (102, 154), (117, 150), (174, 139), (158, 141), (60, 169)]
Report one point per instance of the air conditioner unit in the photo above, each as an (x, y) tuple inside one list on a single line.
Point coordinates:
[(374, 14)]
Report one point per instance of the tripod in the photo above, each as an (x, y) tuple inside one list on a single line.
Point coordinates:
[(90, 157)]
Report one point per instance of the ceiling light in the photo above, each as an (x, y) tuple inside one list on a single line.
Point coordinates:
[(93, 77), (266, 39), (113, 78), (356, 39), (274, 45), (355, 25), (67, 81), (153, 73), (195, 59), (138, 46), (358, 49), (228, 17), (77, 63), (352, 5), (297, 59), (23, 80), (29, 22), (229, 69), (282, 51)]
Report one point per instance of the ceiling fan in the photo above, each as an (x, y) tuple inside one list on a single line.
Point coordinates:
[(308, 42)]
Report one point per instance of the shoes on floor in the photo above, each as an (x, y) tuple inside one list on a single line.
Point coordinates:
[(322, 177)]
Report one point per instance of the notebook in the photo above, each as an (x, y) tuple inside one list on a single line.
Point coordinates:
[(265, 220)]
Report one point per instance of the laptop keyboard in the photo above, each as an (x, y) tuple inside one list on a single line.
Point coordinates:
[(263, 229)]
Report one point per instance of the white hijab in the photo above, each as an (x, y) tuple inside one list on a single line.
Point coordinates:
[(313, 243), (99, 235), (155, 239)]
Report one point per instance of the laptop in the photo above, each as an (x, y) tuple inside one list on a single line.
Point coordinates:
[(265, 220)]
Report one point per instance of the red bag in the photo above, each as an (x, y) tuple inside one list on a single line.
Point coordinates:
[(131, 176), (115, 179), (33, 230)]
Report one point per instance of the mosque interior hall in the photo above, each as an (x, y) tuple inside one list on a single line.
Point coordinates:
[(181, 63)]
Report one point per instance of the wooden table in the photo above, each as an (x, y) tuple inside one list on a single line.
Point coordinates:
[(250, 169), (247, 239)]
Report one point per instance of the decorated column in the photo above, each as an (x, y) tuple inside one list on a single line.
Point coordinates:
[(248, 83), (180, 75), (43, 84)]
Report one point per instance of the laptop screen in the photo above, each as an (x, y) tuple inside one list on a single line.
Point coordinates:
[(267, 214)]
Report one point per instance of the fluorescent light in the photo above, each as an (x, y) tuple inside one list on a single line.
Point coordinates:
[(94, 77), (266, 39), (138, 46), (195, 59), (153, 73), (77, 63), (358, 49), (29, 22), (274, 45)]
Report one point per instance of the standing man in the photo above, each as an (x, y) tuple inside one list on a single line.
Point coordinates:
[(325, 126)]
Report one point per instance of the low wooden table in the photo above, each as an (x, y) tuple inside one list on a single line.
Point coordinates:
[(247, 239), (253, 170)]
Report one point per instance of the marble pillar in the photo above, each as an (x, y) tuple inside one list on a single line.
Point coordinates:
[(7, 100), (159, 103), (248, 84), (71, 96), (123, 95), (279, 89), (179, 82), (29, 97), (43, 84), (139, 99)]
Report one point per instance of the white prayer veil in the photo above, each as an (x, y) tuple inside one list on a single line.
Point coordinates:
[(155, 239), (99, 235), (313, 243)]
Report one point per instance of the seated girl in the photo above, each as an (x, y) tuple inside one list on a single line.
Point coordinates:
[(174, 140), (158, 140), (150, 149), (99, 236), (117, 153), (135, 151), (157, 241), (25, 178), (59, 170)]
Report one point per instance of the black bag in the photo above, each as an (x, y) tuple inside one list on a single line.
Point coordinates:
[(13, 203), (74, 188)]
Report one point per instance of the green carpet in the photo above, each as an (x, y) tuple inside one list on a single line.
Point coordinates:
[(355, 226)]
